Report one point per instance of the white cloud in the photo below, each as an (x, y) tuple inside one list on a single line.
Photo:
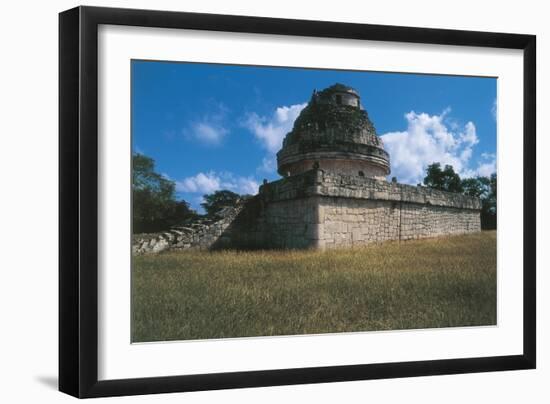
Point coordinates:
[(245, 185), (270, 131), (269, 165), (203, 183), (206, 183), (208, 133), (494, 109), (484, 168), (469, 135), (428, 139), (211, 128)]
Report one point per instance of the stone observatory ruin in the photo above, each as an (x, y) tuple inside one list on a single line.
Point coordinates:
[(333, 192)]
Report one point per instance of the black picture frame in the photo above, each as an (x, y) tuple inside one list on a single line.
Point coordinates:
[(78, 201)]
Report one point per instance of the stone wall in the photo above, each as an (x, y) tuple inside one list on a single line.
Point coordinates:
[(345, 165), (339, 210), (266, 223), (319, 209), (291, 223), (317, 182), (357, 221), (202, 234)]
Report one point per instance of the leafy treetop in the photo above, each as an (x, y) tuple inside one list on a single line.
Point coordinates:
[(155, 207), (215, 202), (444, 179), (484, 188)]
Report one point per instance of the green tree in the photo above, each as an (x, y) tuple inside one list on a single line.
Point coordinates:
[(444, 179), (476, 186), (155, 207), (215, 202), (489, 204), (484, 188)]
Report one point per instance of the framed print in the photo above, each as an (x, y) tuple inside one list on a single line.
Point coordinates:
[(250, 201)]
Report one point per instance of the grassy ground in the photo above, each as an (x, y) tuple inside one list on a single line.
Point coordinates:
[(443, 282)]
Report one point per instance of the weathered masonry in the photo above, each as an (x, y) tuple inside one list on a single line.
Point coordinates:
[(333, 192), (321, 209)]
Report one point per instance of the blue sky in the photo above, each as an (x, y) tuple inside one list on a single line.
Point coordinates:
[(212, 127)]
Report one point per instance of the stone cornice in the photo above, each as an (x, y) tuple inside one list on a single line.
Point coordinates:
[(317, 182)]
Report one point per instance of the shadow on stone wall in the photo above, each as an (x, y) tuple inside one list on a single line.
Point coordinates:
[(235, 227), (246, 230)]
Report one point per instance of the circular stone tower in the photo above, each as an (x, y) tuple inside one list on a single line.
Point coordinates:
[(334, 133)]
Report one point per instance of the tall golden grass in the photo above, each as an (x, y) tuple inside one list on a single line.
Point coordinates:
[(443, 282)]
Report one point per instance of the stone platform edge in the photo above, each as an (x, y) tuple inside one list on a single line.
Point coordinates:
[(317, 182)]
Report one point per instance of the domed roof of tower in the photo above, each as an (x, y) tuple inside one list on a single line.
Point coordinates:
[(339, 87), (333, 126)]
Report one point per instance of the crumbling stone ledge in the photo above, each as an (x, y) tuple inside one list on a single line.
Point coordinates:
[(200, 234), (317, 182)]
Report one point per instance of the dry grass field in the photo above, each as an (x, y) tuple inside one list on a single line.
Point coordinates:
[(444, 282)]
